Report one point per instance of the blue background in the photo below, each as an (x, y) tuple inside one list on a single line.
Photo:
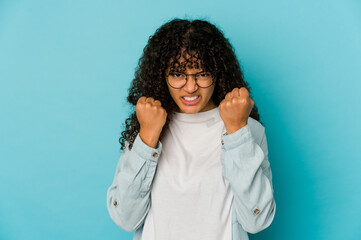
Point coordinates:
[(66, 66)]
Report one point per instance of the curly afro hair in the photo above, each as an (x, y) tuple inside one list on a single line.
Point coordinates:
[(202, 41)]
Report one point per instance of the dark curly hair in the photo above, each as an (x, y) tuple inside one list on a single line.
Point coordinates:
[(201, 40)]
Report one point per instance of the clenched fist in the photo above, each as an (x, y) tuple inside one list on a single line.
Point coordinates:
[(152, 117), (235, 109)]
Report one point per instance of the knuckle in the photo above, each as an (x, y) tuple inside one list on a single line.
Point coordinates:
[(243, 100), (240, 100), (141, 99), (244, 90)]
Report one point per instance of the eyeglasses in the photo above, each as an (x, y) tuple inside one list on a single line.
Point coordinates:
[(178, 80)]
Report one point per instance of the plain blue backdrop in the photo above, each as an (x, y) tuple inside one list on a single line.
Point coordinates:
[(65, 70)]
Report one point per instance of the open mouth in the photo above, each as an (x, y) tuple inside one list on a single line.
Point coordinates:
[(191, 100)]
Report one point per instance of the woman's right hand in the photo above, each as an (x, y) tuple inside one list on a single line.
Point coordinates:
[(151, 117)]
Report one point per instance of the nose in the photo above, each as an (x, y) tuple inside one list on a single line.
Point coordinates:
[(191, 84)]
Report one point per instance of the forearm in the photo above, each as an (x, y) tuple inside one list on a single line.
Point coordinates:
[(128, 198), (246, 167)]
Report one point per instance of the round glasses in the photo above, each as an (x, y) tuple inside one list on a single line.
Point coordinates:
[(178, 80)]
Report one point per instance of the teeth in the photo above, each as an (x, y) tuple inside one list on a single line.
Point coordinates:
[(190, 98)]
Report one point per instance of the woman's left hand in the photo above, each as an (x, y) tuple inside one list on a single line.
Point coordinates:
[(235, 109)]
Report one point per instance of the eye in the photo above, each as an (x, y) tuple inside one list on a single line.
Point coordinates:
[(204, 75), (175, 74)]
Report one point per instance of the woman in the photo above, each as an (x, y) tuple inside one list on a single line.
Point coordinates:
[(195, 160)]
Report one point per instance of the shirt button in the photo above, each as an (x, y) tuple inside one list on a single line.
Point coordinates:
[(222, 142), (256, 211), (155, 154), (115, 203)]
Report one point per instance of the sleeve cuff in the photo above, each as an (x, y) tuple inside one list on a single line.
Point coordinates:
[(145, 151), (237, 138)]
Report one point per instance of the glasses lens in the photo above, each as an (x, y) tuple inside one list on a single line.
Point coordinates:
[(177, 80), (204, 79)]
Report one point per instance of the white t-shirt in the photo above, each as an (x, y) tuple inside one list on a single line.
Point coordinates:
[(190, 198)]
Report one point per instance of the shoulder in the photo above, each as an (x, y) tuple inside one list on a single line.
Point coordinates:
[(256, 128)]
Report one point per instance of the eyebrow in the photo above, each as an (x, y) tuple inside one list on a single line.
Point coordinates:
[(177, 71)]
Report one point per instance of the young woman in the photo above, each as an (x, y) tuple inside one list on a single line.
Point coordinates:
[(195, 160)]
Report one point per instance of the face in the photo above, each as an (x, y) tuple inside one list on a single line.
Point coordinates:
[(191, 89)]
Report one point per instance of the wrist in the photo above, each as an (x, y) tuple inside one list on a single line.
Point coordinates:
[(234, 128), (149, 137)]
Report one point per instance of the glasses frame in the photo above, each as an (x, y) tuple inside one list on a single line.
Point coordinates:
[(195, 79)]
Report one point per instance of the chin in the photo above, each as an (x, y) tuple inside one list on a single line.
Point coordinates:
[(190, 109)]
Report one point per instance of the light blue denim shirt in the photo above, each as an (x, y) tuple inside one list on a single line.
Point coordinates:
[(245, 165)]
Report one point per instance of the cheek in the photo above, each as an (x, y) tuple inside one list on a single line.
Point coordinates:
[(173, 94), (210, 92)]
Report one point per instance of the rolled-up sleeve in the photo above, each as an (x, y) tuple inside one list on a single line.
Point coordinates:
[(246, 167), (128, 197)]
